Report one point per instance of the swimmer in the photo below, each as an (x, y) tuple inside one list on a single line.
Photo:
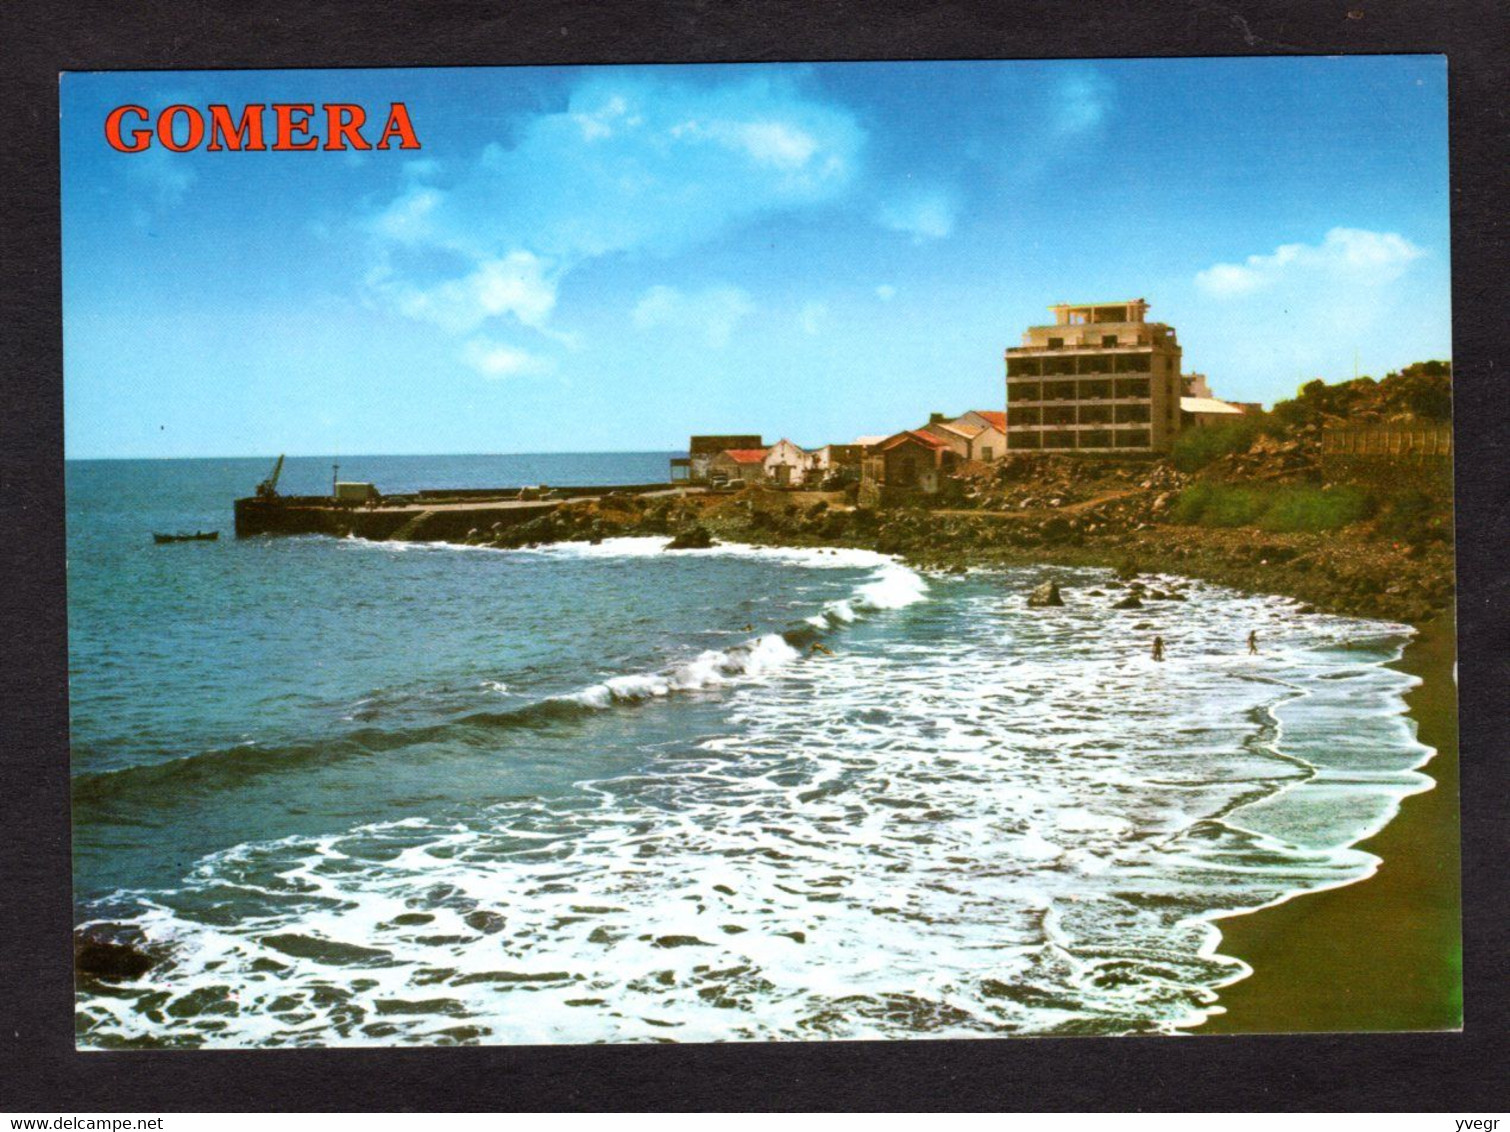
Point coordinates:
[(748, 629), (820, 649)]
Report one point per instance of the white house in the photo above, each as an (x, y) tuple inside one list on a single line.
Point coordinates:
[(990, 442), (957, 437), (786, 465)]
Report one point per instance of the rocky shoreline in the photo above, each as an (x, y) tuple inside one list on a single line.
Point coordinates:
[(1351, 571)]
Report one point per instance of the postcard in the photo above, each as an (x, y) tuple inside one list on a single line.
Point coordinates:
[(760, 552)]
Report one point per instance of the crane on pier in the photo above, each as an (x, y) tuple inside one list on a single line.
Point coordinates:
[(268, 488)]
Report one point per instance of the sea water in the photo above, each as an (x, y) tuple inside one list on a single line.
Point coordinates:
[(364, 793)]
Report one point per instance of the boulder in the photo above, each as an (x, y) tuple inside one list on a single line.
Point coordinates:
[(1131, 601), (1046, 594), (694, 537), (97, 958)]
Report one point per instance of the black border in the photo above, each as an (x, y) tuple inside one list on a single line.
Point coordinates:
[(42, 1071)]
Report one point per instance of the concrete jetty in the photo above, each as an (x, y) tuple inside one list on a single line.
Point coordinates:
[(424, 516)]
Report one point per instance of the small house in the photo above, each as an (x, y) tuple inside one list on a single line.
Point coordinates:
[(914, 460), (737, 465), (990, 442), (836, 461), (702, 449), (786, 465), (958, 437), (1202, 412)]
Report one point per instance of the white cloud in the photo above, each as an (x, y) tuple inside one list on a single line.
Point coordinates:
[(498, 360), (516, 284), (886, 292), (713, 313), (813, 317), (408, 220), (1081, 100), (634, 162), (778, 144), (1351, 256), (927, 215)]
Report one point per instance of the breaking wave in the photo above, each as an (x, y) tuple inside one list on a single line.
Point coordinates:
[(973, 820)]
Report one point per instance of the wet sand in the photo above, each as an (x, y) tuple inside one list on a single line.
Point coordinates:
[(1386, 953)]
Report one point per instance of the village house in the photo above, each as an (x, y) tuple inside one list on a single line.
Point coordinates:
[(1200, 408), (991, 442), (737, 465), (977, 435), (786, 465), (702, 449), (836, 461), (909, 462), (1202, 412), (957, 437)]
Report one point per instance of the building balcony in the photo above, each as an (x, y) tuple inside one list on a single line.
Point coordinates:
[(1047, 402), (1098, 426)]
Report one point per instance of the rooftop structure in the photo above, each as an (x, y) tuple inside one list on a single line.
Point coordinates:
[(746, 455), (1100, 378)]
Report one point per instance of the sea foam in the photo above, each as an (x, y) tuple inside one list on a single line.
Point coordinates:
[(981, 820)]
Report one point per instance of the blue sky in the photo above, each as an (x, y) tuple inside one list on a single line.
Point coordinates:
[(612, 258)]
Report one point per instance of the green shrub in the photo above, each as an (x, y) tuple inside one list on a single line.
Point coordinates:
[(1218, 505), (1273, 509), (1312, 509), (1413, 517), (1194, 448)]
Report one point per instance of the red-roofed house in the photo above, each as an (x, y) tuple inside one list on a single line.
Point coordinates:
[(957, 436), (978, 435), (990, 442), (738, 465), (909, 461)]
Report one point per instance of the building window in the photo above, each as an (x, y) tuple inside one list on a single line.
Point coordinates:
[(987, 453), (1108, 339), (1059, 415), (1056, 343)]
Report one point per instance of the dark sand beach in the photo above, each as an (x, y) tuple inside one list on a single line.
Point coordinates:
[(1384, 954)]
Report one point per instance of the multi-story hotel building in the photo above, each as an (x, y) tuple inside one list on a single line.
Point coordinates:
[(1100, 379)]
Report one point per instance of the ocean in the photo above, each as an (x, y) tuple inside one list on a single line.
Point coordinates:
[(364, 793)]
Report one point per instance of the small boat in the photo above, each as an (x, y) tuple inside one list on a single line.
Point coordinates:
[(197, 536)]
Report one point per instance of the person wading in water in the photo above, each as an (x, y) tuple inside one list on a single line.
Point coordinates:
[(1158, 648), (1252, 642)]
